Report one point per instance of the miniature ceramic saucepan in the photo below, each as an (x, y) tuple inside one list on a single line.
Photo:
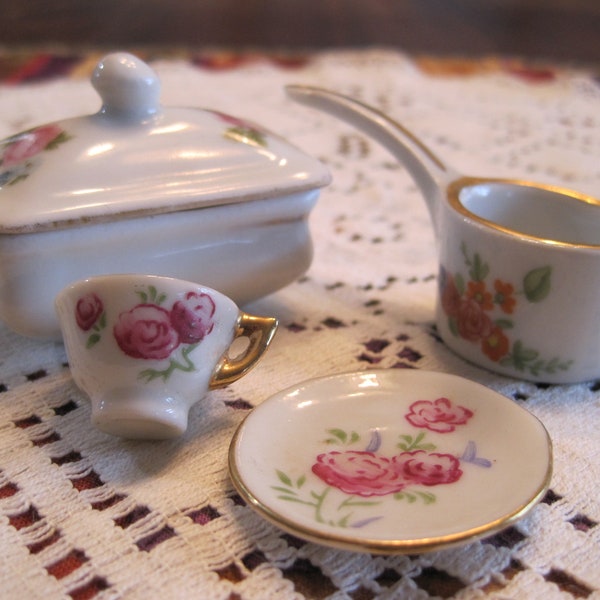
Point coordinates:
[(519, 261)]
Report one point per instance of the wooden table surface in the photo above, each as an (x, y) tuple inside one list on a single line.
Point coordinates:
[(563, 30)]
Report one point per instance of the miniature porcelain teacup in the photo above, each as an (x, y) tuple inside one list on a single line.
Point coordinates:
[(146, 348), (519, 261)]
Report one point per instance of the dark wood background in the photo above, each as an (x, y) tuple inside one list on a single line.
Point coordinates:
[(557, 30)]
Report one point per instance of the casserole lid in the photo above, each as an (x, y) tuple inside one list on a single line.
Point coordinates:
[(135, 157)]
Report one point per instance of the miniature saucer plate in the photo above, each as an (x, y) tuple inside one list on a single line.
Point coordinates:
[(391, 461)]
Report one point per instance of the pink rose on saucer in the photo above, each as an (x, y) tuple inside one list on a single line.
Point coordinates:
[(423, 468), (146, 331), (361, 473), (441, 415)]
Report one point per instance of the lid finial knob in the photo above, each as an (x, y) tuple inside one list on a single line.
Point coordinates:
[(129, 88)]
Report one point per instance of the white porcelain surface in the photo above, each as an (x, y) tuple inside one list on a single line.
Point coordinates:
[(519, 261), (244, 250), (391, 461), (146, 348), (136, 157), (138, 187)]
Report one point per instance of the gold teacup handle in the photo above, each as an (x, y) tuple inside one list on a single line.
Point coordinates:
[(260, 332)]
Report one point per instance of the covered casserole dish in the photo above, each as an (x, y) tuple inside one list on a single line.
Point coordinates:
[(142, 188)]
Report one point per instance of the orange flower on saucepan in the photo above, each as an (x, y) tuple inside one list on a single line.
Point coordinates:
[(504, 296), (477, 292), (495, 345)]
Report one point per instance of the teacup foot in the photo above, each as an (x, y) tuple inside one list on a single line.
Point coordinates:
[(144, 416)]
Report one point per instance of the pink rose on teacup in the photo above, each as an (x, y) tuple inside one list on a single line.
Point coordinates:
[(88, 311), (192, 317), (146, 331)]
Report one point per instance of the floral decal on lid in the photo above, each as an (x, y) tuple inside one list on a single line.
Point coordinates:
[(366, 476), (19, 153), (149, 331), (242, 131), (480, 312)]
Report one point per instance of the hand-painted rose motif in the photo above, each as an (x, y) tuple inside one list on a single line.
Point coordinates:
[(423, 468), (149, 331), (361, 473), (440, 415), (88, 311), (192, 317), (472, 322), (368, 474), (145, 331), (478, 311), (28, 144), (450, 296), (19, 151), (242, 131), (367, 478)]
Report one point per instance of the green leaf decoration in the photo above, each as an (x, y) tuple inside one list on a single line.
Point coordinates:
[(527, 359), (284, 478), (152, 295), (453, 326), (343, 522), (479, 269), (412, 497), (504, 323), (352, 502), (61, 138), (411, 443), (246, 135), (427, 497), (20, 177), (524, 354), (339, 436), (291, 499), (537, 284), (92, 340), (459, 282), (284, 490)]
